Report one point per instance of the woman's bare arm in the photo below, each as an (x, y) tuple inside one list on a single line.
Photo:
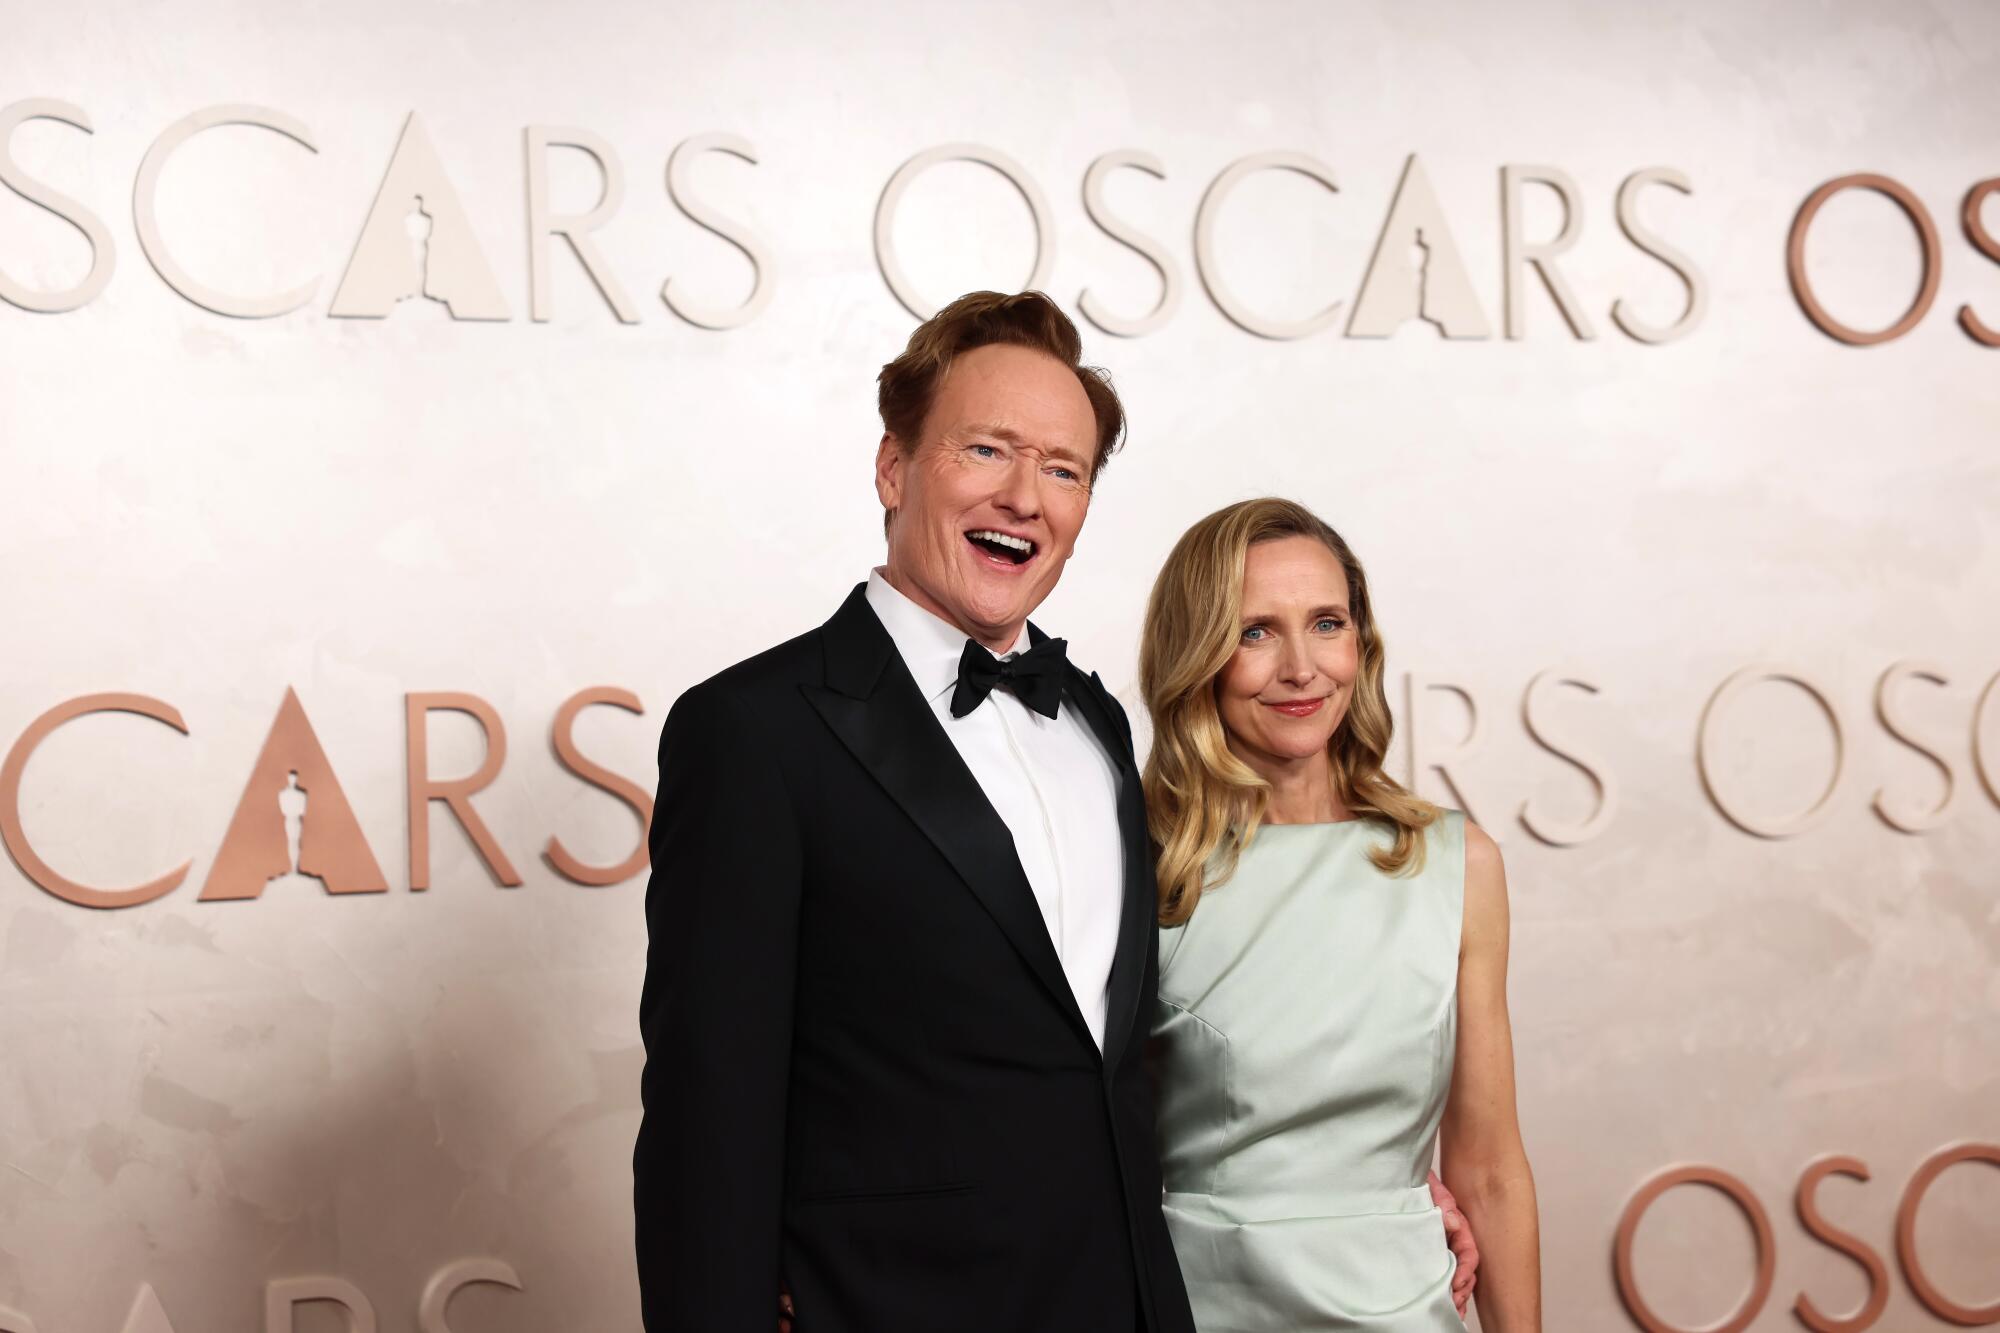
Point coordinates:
[(1483, 1156)]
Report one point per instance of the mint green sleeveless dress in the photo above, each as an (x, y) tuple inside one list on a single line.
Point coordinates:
[(1304, 1038)]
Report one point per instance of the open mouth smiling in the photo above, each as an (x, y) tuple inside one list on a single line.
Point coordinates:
[(1001, 549)]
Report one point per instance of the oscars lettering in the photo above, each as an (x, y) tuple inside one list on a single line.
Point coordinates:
[(417, 241)]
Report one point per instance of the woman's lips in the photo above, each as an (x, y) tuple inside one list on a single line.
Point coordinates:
[(1299, 707)]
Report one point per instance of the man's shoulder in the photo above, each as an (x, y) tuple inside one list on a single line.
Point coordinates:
[(783, 668), (761, 688), (746, 703)]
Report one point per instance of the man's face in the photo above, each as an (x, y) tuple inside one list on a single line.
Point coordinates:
[(989, 504)]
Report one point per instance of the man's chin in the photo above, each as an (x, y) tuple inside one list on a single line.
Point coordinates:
[(1001, 617)]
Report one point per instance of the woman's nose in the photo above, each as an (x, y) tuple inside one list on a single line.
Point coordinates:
[(1296, 666)]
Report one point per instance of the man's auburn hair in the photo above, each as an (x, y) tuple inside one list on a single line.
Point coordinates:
[(907, 385)]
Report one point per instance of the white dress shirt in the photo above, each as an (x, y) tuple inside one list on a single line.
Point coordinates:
[(1049, 779)]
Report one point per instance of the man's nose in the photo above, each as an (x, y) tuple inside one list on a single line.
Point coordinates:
[(1020, 493)]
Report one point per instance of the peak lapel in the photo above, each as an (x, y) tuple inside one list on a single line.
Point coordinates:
[(1135, 919), (872, 705)]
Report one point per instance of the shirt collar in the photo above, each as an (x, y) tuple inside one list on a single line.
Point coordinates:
[(930, 647)]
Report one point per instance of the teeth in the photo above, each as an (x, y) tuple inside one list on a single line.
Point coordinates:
[(1018, 543)]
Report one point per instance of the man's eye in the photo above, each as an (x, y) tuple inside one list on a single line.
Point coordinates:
[(985, 451), (1065, 474)]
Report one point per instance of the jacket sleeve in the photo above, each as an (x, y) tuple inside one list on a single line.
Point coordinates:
[(722, 911)]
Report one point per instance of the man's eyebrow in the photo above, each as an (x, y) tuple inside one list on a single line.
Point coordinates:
[(1061, 452)]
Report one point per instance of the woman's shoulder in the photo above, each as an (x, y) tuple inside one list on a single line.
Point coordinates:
[(1462, 846), (1482, 853), (1449, 825), (1450, 839), (1485, 876)]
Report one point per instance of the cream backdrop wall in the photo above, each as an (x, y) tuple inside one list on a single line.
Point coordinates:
[(199, 1098)]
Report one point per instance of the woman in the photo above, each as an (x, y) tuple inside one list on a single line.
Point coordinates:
[(1333, 959)]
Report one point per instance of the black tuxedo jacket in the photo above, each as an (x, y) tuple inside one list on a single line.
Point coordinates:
[(866, 1077)]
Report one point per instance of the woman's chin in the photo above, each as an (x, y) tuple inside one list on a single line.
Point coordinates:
[(1292, 746)]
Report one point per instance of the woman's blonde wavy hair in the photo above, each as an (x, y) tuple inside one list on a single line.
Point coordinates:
[(1201, 798)]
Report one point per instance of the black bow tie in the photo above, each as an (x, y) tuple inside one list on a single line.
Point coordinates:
[(1033, 677)]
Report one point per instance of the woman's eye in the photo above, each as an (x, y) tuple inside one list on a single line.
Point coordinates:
[(1255, 634), (1329, 625)]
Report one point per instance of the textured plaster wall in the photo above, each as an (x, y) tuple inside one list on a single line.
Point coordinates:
[(203, 1096)]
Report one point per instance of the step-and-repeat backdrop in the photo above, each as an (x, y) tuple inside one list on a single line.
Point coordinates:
[(403, 403)]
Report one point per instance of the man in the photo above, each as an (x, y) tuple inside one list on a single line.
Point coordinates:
[(902, 956)]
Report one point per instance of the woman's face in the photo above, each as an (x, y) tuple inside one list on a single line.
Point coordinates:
[(1286, 688)]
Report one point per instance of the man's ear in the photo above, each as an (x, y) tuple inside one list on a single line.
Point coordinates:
[(890, 461)]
